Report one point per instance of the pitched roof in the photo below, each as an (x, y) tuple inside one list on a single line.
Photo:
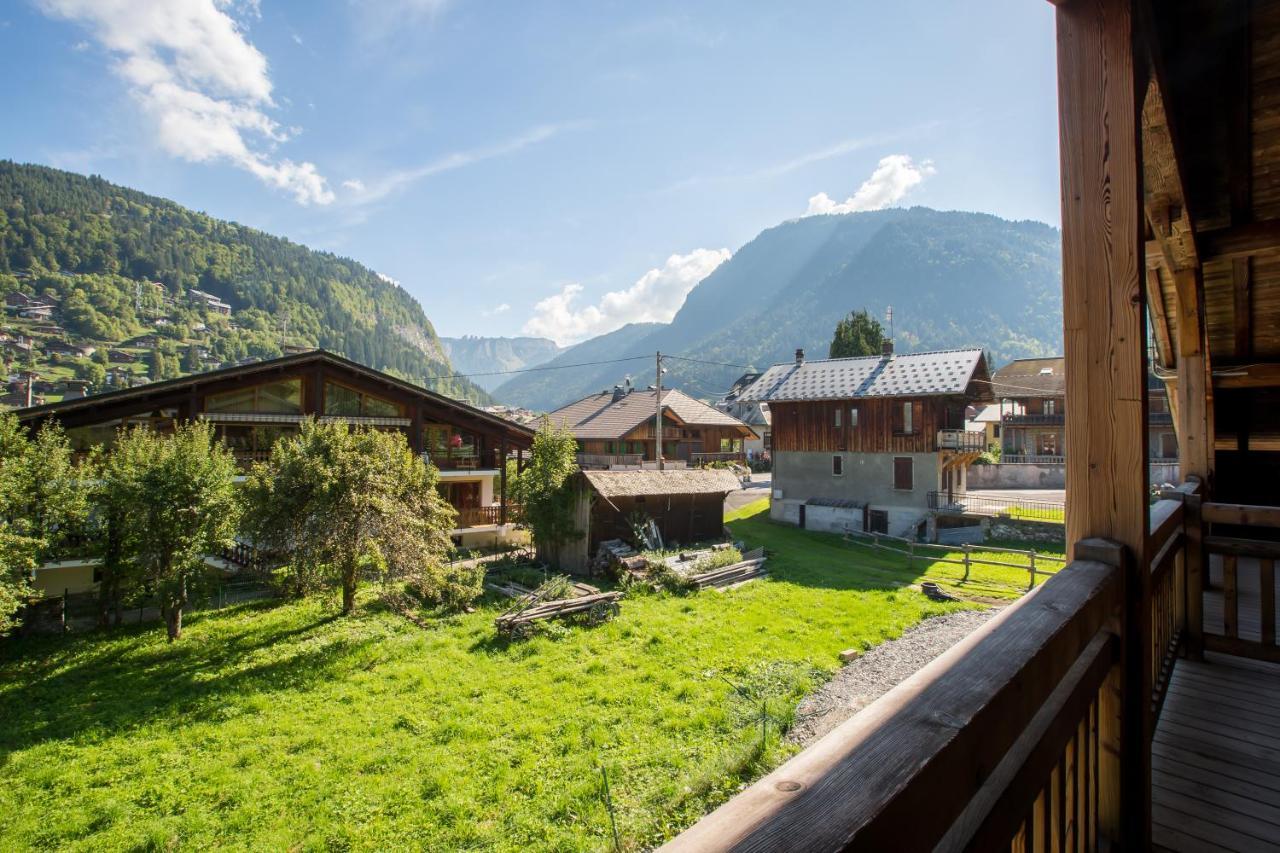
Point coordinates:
[(908, 375), (602, 416), (268, 366), (1031, 377), (682, 481)]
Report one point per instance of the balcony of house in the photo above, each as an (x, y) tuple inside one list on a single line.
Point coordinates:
[(963, 440), (1041, 419), (1033, 458), (605, 461), (699, 458)]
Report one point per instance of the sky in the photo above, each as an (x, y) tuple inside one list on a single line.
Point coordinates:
[(556, 169)]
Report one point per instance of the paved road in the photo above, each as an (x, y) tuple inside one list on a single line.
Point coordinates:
[(1052, 495), (757, 489)]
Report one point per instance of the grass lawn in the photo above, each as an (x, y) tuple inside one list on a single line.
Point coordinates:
[(278, 725)]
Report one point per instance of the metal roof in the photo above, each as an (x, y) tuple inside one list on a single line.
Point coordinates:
[(600, 416), (1031, 377), (683, 481), (914, 374)]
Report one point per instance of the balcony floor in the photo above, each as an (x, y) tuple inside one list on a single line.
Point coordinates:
[(1216, 757)]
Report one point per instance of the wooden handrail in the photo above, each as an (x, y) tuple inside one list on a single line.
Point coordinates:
[(1246, 515), (902, 772)]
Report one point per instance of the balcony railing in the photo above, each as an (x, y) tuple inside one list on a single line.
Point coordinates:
[(726, 456), (1055, 419), (481, 516), (467, 462), (1034, 458), (960, 439), (959, 502), (609, 460)]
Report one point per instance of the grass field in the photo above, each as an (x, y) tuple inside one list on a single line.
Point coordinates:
[(281, 726)]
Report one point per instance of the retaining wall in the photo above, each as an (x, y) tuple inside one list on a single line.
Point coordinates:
[(1036, 475)]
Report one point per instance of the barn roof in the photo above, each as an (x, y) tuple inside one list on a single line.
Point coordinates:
[(914, 374), (681, 481), (608, 415), (1031, 377)]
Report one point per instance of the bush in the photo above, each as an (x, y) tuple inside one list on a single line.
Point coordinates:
[(717, 560)]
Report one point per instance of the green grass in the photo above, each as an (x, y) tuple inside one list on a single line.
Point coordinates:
[(281, 726), (1048, 514)]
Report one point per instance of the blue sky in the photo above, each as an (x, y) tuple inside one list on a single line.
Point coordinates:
[(553, 168)]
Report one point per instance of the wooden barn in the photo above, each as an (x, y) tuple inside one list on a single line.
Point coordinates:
[(686, 504)]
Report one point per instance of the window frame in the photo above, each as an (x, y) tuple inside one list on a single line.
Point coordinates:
[(911, 462)]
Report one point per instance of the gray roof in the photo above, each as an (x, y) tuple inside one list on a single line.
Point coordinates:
[(680, 481), (915, 374), (601, 416), (1031, 377)]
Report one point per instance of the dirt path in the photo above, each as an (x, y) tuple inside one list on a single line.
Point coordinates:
[(862, 682)]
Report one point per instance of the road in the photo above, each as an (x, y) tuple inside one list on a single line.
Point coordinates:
[(757, 489), (1052, 495)]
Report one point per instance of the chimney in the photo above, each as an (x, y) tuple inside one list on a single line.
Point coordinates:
[(618, 393), (799, 356), (886, 348)]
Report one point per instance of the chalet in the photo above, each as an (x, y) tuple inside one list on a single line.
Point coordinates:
[(1128, 703), (686, 505), (209, 302), (252, 406), (120, 356), (36, 311), (753, 413), (862, 442), (1031, 394), (16, 301), (617, 428)]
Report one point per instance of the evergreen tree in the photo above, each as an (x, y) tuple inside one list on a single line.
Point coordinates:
[(858, 334)]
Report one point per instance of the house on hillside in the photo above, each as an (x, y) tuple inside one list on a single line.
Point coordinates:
[(686, 505), (863, 443), (618, 428), (209, 302), (1032, 404), (752, 413), (253, 406)]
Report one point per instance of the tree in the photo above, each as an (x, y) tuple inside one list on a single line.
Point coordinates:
[(858, 334), (545, 492), (180, 502), (341, 504), (42, 506)]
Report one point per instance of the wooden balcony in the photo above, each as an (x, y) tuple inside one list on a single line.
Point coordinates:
[(609, 460), (963, 440), (1056, 419), (738, 456), (482, 516)]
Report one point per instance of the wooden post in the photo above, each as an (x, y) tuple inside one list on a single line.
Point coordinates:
[(65, 593), (1195, 559), (1032, 584), (965, 548), (1100, 88), (502, 499)]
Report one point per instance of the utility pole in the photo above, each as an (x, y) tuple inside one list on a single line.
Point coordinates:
[(658, 405)]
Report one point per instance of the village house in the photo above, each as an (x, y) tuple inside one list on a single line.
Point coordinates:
[(1031, 395), (618, 429), (861, 443), (753, 413), (252, 406), (209, 302)]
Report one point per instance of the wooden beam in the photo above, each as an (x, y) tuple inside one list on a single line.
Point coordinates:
[(1242, 287), (1248, 376), (1194, 439), (1240, 121), (1101, 90), (1240, 241), (1159, 318), (1164, 192)]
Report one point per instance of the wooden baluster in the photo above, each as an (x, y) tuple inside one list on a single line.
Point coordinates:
[(1267, 578), (1230, 606)]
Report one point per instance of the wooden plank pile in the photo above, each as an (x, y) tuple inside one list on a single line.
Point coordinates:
[(615, 552), (751, 567), (511, 589), (597, 608)]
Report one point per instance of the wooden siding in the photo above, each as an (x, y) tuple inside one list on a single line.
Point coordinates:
[(810, 426)]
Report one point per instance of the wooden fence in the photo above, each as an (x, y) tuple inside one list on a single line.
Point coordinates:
[(931, 553)]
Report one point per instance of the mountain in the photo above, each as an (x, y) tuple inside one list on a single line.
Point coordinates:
[(954, 279), (471, 354), (119, 267)]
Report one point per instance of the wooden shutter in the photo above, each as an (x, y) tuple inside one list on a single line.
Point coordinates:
[(903, 473)]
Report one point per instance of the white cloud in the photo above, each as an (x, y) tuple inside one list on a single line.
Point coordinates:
[(893, 178), (496, 310), (375, 190), (388, 279), (655, 297), (203, 84)]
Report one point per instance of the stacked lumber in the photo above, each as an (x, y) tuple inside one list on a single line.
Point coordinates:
[(598, 608), (511, 589), (727, 576), (615, 552)]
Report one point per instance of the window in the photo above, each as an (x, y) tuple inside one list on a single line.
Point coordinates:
[(1050, 407), (347, 402), (878, 520), (853, 418), (276, 398), (837, 466), (837, 424), (903, 473), (907, 426), (730, 445), (1048, 444)]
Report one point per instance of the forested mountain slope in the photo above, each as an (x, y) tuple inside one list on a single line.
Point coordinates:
[(117, 264), (954, 279)]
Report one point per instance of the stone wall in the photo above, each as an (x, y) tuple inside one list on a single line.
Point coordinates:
[(1018, 475), (1049, 532)]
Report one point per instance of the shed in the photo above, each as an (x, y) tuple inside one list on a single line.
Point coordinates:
[(687, 505)]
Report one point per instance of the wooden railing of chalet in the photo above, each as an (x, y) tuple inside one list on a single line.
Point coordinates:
[(478, 516), (720, 456), (608, 460), (960, 439), (1029, 734), (1241, 554)]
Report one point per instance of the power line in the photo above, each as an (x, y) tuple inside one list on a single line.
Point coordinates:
[(545, 367), (704, 361)]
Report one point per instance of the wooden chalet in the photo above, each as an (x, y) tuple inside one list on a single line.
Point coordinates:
[(863, 442), (618, 429), (254, 405), (1131, 701)]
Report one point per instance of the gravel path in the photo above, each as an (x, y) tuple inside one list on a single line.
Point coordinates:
[(860, 683)]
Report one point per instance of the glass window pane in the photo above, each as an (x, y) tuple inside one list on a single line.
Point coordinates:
[(340, 401), (281, 397), (240, 400), (376, 407)]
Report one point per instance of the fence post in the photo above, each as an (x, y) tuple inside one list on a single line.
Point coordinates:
[(1032, 585), (965, 548), (65, 592), (911, 554)]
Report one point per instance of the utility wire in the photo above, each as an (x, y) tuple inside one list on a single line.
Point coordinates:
[(546, 367)]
